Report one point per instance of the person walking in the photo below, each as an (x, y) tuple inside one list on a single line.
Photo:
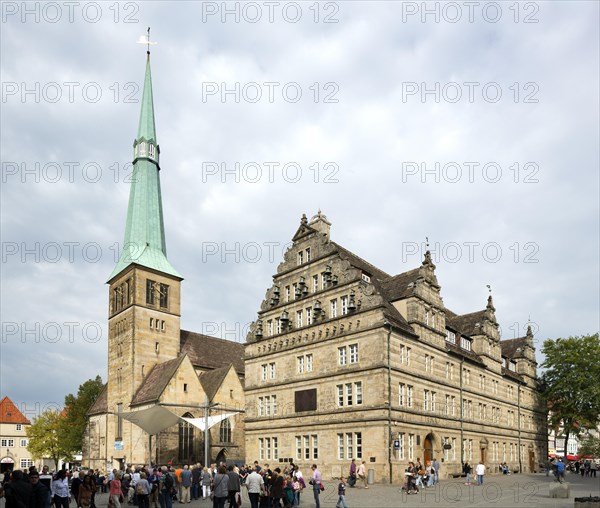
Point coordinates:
[(480, 471), (352, 474), (233, 486), (362, 474), (114, 491), (341, 494), (467, 470), (436, 467), (316, 484)]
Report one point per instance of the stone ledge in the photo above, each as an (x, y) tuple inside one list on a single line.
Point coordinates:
[(560, 490)]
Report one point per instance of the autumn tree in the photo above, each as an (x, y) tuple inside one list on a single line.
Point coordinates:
[(47, 437), (76, 408), (570, 383)]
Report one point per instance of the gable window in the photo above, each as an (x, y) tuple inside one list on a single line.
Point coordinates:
[(186, 439), (465, 343), (334, 308), (225, 431), (366, 277), (342, 359), (354, 353), (308, 254)]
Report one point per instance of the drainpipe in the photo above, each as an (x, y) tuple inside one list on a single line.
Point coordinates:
[(519, 424), (462, 416), (389, 376)]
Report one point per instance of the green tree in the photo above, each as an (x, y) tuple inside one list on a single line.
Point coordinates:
[(76, 408), (47, 437), (569, 383), (589, 446)]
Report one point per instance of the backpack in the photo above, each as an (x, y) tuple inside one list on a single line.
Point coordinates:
[(139, 489), (168, 482)]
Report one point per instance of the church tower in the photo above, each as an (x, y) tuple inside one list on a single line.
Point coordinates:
[(144, 289)]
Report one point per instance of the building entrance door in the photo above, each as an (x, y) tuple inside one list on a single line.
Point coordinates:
[(427, 449), (531, 462)]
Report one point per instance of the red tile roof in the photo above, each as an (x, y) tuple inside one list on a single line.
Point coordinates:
[(9, 413)]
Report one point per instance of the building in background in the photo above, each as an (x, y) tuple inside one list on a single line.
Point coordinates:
[(346, 361), (13, 437)]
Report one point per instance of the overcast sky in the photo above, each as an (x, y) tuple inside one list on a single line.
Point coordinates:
[(475, 126)]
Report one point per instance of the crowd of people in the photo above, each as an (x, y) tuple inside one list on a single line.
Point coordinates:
[(154, 487)]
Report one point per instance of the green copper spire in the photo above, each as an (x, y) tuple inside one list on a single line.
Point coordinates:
[(147, 129), (144, 232)]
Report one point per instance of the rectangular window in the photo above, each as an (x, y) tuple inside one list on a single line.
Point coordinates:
[(358, 438), (342, 355), (287, 293), (261, 406), (272, 370), (150, 292), (340, 439), (261, 448), (299, 319), (348, 394), (446, 441), (408, 357), (470, 449), (452, 401), (309, 316), (433, 401), (164, 295), (358, 392), (401, 445), (453, 448), (411, 446), (277, 326), (315, 446), (333, 307), (263, 368), (354, 353), (344, 301), (447, 411), (366, 277), (409, 396), (270, 327), (306, 447), (401, 394), (402, 354), (23, 443), (309, 363), (450, 337), (26, 463), (275, 449), (340, 395), (426, 400), (300, 364), (315, 283), (8, 443), (300, 257), (299, 447), (19, 426), (308, 257)]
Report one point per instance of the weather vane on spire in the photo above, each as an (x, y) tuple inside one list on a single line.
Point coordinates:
[(145, 39)]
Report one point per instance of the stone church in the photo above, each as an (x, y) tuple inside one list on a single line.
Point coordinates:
[(346, 361), (156, 371)]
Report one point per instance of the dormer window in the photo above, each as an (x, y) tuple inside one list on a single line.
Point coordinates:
[(450, 337), (465, 343)]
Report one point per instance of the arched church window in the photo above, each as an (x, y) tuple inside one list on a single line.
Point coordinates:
[(186, 439), (225, 431)]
